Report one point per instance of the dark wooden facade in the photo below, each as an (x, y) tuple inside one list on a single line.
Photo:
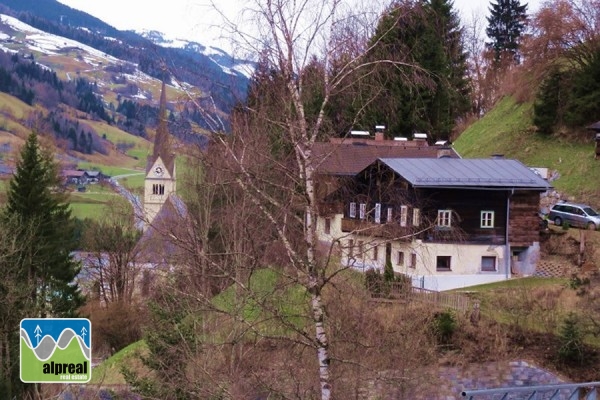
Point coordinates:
[(384, 189)]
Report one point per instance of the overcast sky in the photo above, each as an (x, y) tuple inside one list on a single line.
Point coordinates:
[(195, 20)]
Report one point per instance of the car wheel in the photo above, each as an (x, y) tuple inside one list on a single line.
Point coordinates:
[(558, 221), (591, 226)]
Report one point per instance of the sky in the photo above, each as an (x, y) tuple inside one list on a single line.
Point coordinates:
[(196, 20)]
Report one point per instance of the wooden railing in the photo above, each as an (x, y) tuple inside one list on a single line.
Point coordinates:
[(399, 291)]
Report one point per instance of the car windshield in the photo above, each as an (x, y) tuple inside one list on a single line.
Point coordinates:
[(591, 212)]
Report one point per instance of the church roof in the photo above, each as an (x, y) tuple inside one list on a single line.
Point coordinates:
[(162, 140), (165, 240)]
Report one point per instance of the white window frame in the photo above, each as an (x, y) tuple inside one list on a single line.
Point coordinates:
[(487, 219), (444, 218), (416, 217), (390, 214), (362, 211), (352, 211), (403, 215), (377, 213)]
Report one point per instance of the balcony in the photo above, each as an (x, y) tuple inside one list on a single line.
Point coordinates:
[(369, 228)]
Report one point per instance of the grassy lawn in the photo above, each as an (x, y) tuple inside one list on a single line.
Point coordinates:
[(90, 204), (270, 296), (109, 371)]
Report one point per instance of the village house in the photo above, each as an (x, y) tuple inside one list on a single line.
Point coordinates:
[(446, 222)]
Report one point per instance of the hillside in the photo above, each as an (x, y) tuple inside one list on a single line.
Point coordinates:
[(507, 129)]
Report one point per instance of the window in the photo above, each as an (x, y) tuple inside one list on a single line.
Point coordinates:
[(377, 213), (416, 217), (400, 258), (413, 260), (487, 219), (327, 226), (361, 248), (158, 189), (488, 263), (403, 215), (390, 214), (350, 248), (444, 218), (362, 211), (443, 263), (375, 253), (352, 211)]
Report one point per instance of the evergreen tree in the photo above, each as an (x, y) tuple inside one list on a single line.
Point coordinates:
[(549, 102), (506, 25), (45, 260), (428, 98)]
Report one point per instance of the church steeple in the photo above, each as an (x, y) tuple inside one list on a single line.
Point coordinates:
[(162, 142), (160, 180)]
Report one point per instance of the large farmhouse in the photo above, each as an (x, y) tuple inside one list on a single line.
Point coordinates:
[(445, 221)]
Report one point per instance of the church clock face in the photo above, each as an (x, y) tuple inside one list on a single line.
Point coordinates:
[(158, 171)]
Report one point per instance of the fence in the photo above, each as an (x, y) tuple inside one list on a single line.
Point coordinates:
[(402, 292)]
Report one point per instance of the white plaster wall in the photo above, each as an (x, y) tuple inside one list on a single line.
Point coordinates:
[(465, 259)]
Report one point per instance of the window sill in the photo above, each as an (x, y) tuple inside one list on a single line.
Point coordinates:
[(443, 269)]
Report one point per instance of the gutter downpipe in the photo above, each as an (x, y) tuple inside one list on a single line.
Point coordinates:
[(507, 243)]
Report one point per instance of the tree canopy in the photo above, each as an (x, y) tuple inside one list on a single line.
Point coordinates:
[(430, 98), (506, 25)]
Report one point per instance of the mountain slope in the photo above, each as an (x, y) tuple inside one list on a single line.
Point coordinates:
[(222, 80), (507, 129)]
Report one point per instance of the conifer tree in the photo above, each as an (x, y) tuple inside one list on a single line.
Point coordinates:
[(506, 25), (45, 261), (428, 34)]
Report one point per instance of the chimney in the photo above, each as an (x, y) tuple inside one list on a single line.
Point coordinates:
[(422, 137), (379, 133)]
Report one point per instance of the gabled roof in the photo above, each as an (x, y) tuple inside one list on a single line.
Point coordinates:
[(349, 159), (466, 173), (163, 241)]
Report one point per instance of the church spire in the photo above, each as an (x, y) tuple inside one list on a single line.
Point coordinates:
[(162, 142)]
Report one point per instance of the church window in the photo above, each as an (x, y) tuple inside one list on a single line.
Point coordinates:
[(158, 189)]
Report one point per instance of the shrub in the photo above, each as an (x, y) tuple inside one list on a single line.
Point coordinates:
[(571, 341), (444, 325)]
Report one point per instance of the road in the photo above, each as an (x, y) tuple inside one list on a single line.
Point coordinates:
[(138, 208)]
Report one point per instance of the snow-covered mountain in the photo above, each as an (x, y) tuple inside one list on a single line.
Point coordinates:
[(226, 61), (75, 44)]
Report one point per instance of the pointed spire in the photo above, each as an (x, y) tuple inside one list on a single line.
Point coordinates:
[(162, 142)]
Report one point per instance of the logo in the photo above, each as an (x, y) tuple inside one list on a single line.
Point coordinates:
[(56, 350)]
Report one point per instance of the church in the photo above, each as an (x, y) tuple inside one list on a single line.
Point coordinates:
[(165, 221), (160, 182)]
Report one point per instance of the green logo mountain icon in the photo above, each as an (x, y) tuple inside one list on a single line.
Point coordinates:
[(56, 350)]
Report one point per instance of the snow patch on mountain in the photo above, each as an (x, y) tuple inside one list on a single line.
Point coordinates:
[(226, 62), (47, 43)]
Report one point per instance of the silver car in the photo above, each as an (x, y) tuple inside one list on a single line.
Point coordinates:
[(576, 215)]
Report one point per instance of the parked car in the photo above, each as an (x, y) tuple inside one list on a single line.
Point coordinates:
[(576, 215)]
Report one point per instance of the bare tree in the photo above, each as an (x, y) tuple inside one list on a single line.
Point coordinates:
[(112, 263), (269, 161)]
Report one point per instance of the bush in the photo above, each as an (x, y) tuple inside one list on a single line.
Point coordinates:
[(571, 341), (376, 283), (115, 325), (444, 325)]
